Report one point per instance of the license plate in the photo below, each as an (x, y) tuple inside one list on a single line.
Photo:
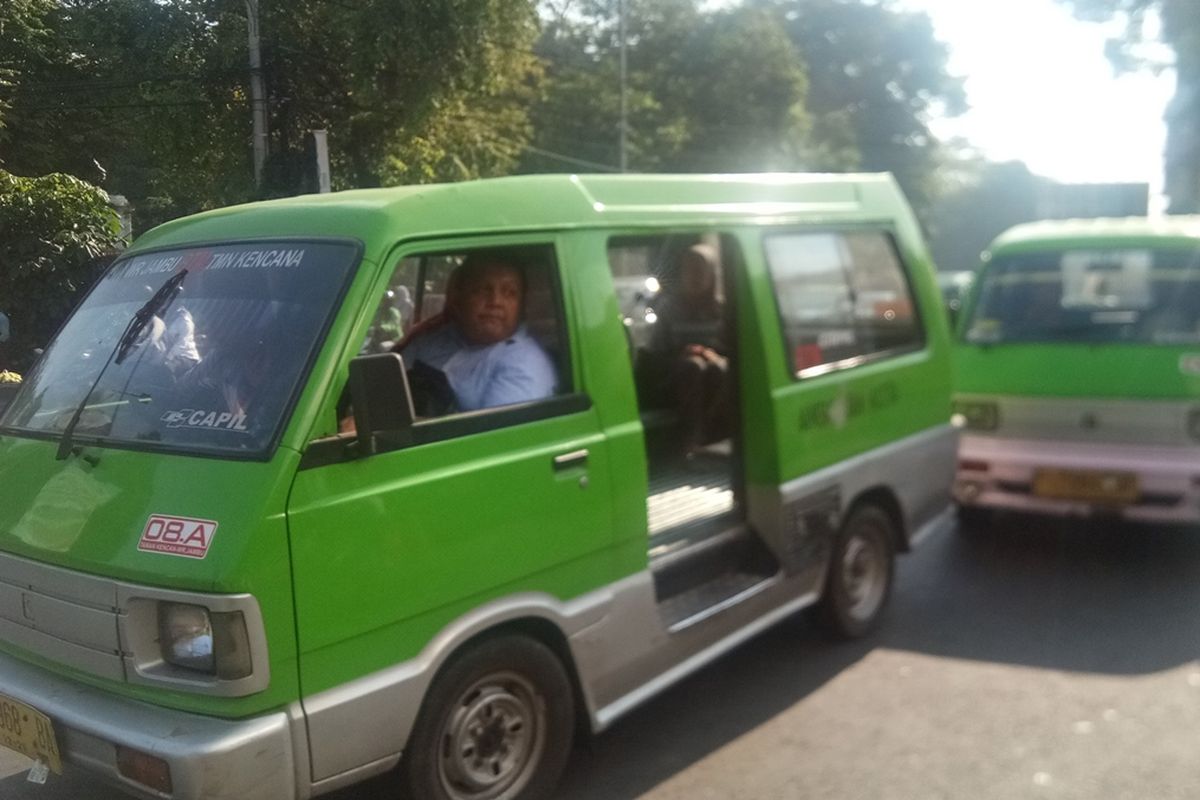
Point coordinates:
[(29, 732), (1113, 488)]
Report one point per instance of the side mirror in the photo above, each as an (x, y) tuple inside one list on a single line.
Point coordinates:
[(383, 406)]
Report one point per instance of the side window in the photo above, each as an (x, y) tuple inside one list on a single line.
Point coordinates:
[(478, 328), (841, 295)]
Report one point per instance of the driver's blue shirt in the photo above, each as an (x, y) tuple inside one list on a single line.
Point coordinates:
[(514, 370)]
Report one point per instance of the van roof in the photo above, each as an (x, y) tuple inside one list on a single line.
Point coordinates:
[(1098, 230), (545, 201)]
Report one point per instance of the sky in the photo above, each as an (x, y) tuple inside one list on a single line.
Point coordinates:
[(1043, 92)]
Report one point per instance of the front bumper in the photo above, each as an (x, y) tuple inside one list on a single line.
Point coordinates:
[(215, 759), (998, 473)]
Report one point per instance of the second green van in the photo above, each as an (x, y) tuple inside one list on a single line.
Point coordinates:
[(1078, 373)]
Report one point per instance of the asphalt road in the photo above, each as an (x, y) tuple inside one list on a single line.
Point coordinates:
[(1040, 660)]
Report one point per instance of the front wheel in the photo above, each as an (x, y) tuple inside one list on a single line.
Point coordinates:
[(860, 574), (497, 725)]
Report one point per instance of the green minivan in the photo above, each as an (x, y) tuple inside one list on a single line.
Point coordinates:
[(1078, 373), (424, 480)]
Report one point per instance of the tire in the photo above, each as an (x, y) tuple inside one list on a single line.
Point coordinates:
[(497, 724), (860, 574)]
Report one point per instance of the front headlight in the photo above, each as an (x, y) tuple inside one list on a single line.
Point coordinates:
[(977, 415), (210, 642)]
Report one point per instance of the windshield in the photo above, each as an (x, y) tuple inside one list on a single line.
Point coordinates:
[(214, 368), (1135, 295)]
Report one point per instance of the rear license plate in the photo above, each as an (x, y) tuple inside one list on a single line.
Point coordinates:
[(1112, 488), (29, 732)]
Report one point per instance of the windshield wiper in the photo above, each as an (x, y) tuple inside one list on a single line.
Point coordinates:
[(151, 308)]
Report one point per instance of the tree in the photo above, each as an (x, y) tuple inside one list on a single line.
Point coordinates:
[(54, 232), (708, 91), (150, 97), (1180, 31), (877, 76), (998, 196), (23, 39)]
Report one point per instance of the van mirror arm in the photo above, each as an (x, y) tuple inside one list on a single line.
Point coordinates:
[(383, 405)]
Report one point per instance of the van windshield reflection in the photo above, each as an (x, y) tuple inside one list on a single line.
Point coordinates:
[(213, 369)]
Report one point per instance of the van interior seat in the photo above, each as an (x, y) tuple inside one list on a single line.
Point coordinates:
[(543, 324)]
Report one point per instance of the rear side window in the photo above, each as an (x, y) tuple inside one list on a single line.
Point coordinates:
[(843, 296)]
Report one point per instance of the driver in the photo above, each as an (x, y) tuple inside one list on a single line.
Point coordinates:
[(483, 349)]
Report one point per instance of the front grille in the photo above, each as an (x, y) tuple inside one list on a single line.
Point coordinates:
[(62, 615)]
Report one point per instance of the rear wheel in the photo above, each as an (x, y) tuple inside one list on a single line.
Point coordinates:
[(860, 574), (497, 725)]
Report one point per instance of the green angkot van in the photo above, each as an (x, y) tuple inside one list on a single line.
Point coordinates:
[(1078, 372), (426, 479)]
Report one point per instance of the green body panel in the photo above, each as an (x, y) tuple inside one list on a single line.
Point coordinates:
[(593, 305), (1065, 370), (1076, 370), (89, 517), (357, 565), (817, 421), (387, 546)]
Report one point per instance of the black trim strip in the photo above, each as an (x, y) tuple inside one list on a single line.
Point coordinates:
[(342, 448)]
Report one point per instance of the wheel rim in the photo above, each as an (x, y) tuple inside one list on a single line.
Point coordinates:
[(493, 739), (864, 575)]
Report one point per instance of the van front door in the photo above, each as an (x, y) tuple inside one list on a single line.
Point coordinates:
[(388, 550)]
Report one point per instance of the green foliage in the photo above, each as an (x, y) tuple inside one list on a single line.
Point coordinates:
[(708, 92), (772, 84), (54, 231), (23, 43), (877, 76), (999, 195), (150, 98)]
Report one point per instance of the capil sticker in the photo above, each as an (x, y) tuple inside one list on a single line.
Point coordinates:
[(203, 418), (177, 536)]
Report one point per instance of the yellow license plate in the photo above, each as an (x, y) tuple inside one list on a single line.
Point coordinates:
[(1114, 488), (29, 732)]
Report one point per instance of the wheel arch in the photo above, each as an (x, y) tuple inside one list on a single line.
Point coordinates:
[(542, 630), (886, 500)]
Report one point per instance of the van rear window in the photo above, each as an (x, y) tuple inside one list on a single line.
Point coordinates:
[(213, 366)]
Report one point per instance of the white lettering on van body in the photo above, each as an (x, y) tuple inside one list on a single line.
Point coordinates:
[(257, 259), (201, 418)]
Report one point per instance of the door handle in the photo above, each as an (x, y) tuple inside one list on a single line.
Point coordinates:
[(575, 458)]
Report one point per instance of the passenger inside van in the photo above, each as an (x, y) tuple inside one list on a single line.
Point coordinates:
[(691, 332)]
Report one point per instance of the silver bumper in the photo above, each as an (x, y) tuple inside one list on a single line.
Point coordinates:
[(1168, 477), (250, 759)]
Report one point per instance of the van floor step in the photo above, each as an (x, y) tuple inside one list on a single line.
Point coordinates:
[(697, 604), (684, 495)]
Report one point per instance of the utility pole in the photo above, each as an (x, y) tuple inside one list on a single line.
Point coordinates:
[(624, 100), (258, 100)]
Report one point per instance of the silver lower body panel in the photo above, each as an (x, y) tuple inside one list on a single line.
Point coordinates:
[(210, 758)]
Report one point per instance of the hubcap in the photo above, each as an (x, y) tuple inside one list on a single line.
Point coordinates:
[(863, 576), (493, 739)]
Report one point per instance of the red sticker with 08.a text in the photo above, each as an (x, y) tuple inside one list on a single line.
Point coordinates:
[(177, 536)]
